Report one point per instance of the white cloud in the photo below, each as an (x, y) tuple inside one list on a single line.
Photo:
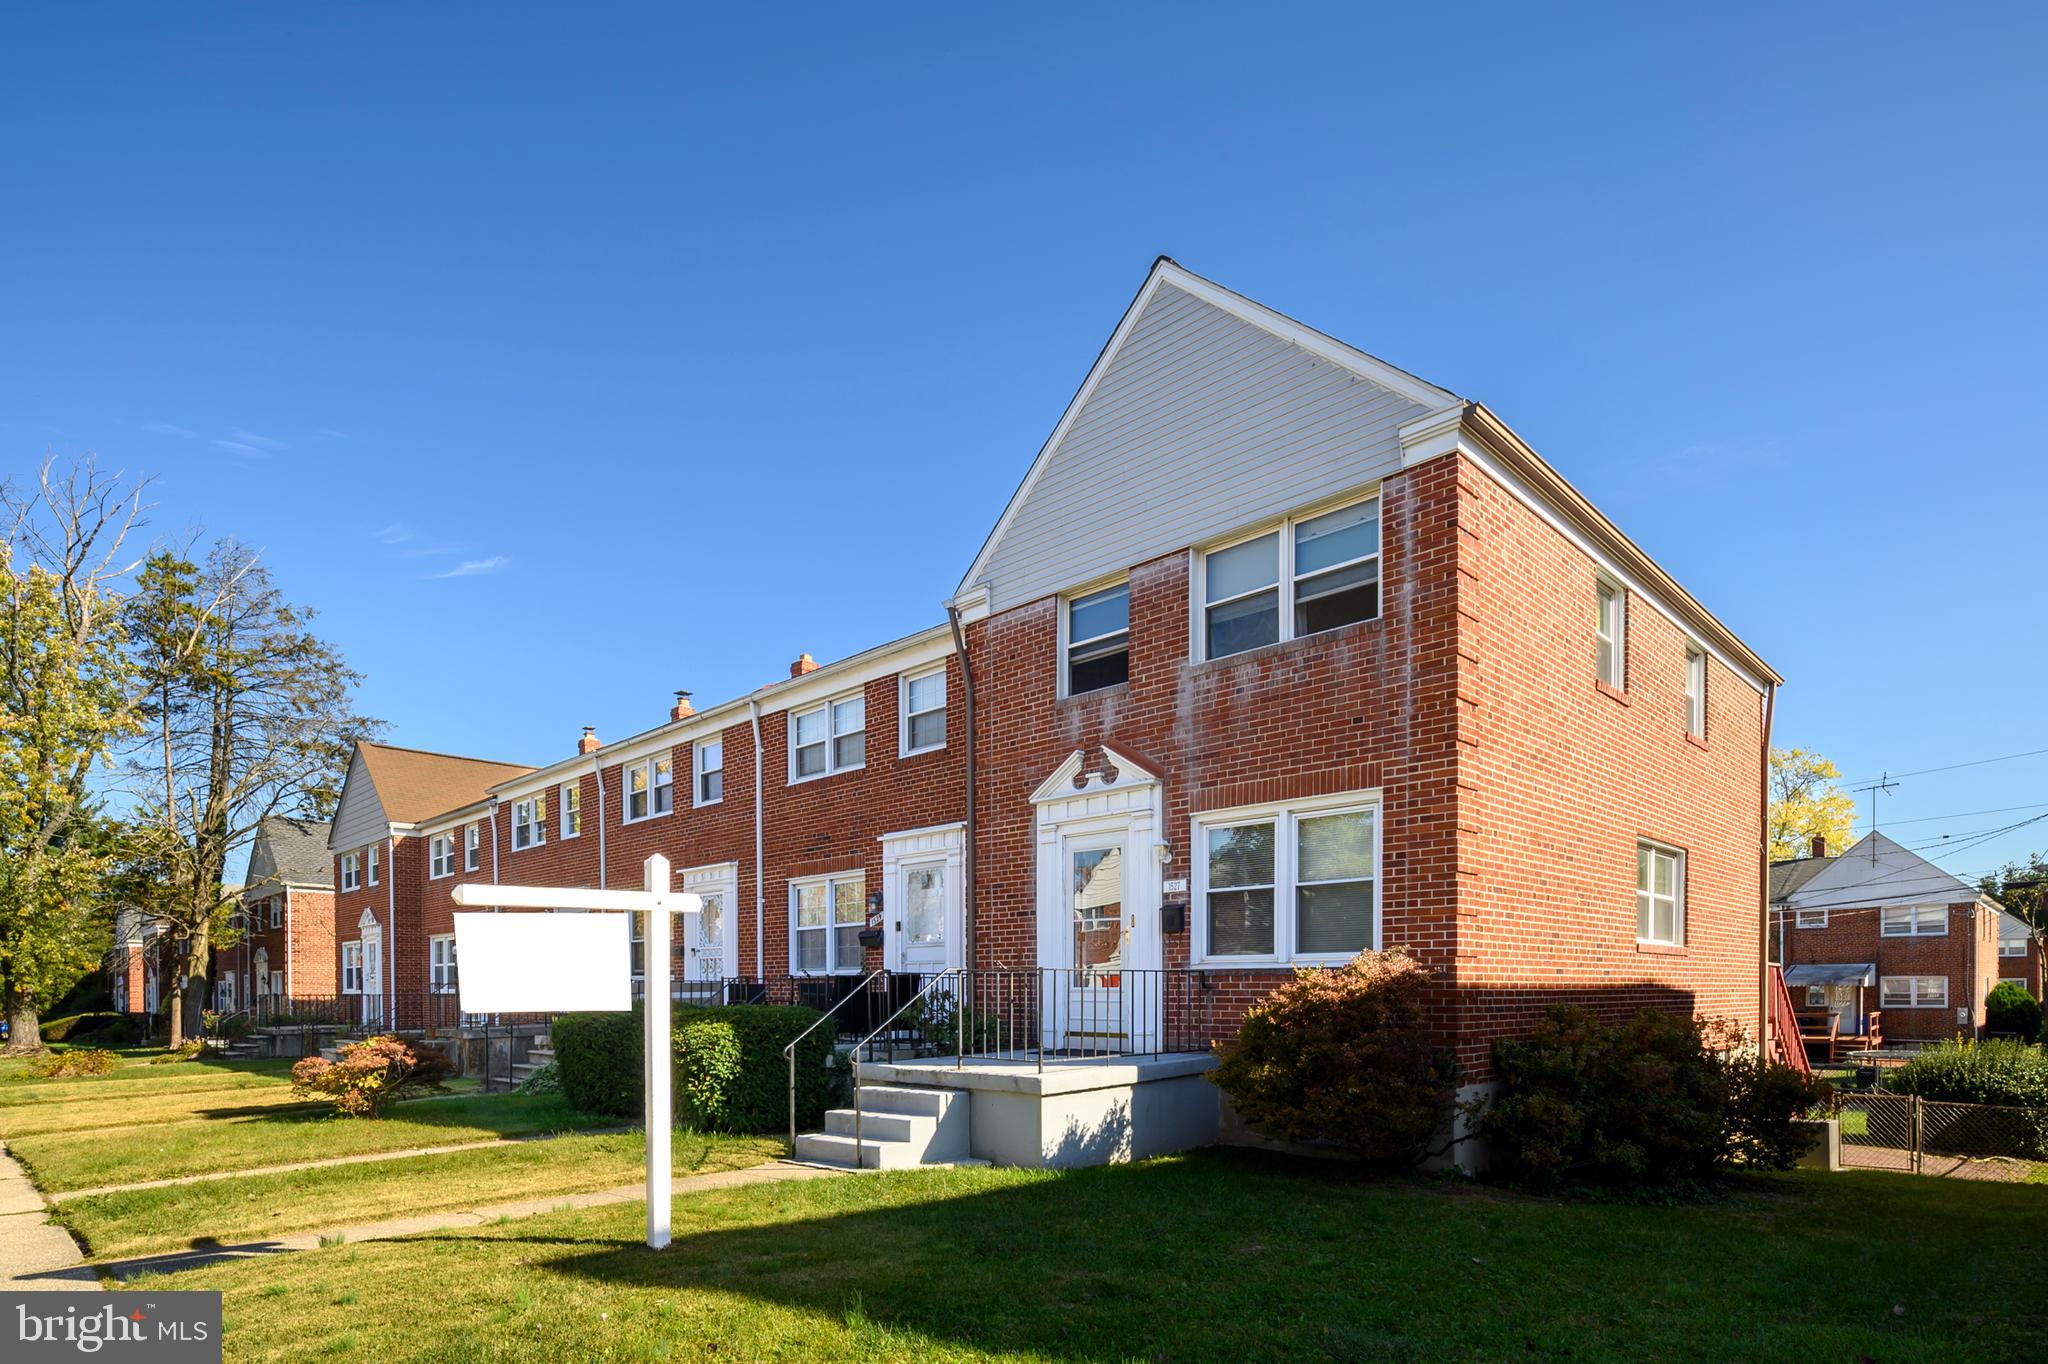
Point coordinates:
[(397, 533), (239, 447), (169, 429), (470, 568), (260, 442)]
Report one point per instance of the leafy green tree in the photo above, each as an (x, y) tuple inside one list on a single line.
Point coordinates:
[(258, 720), (66, 700), (2022, 887), (1807, 801)]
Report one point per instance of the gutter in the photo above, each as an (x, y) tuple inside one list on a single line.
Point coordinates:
[(597, 770), (760, 903), (967, 880)]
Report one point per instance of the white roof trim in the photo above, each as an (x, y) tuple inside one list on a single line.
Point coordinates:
[(1166, 271)]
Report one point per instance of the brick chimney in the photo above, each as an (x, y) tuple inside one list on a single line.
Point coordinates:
[(1820, 845), (804, 664), (682, 709), (588, 743)]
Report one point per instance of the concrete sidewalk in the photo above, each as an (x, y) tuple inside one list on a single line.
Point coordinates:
[(75, 1273), (34, 1251)]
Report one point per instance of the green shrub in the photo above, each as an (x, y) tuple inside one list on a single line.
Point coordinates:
[(1656, 1101), (1345, 1056), (2007, 1073), (72, 1064), (189, 1051), (2010, 1009), (545, 1079), (599, 1058), (76, 1027)]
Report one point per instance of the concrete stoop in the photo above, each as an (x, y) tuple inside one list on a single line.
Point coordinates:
[(900, 1127)]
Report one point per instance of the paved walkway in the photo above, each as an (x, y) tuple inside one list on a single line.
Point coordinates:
[(366, 1158), (34, 1251), (74, 1273)]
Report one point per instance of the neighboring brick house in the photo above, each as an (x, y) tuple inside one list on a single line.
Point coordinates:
[(1277, 654), (379, 863), (2019, 954), (139, 962), (287, 948), (1880, 928)]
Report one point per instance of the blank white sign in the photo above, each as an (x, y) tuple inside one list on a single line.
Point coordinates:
[(543, 963)]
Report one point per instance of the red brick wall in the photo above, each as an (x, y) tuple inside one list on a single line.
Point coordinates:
[(1561, 778), (378, 899), (1967, 955)]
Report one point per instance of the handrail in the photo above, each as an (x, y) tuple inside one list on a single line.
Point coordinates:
[(789, 1052), (859, 1149)]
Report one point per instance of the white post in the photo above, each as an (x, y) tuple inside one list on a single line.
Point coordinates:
[(660, 1064)]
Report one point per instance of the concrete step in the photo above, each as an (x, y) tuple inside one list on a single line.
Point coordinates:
[(883, 1126), (929, 1103), (900, 1127)]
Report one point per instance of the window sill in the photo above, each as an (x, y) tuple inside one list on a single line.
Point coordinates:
[(823, 776), (644, 819), (920, 752), (1079, 697), (1201, 665), (1611, 692), (1697, 742), (1662, 949)]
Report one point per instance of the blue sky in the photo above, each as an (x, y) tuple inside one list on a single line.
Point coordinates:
[(566, 357)]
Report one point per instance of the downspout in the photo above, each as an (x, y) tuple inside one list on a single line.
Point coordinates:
[(390, 962), (760, 879), (1764, 859), (287, 942), (597, 770), (967, 879)]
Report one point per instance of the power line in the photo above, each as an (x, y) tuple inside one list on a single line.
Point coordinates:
[(1953, 767), (1964, 814)]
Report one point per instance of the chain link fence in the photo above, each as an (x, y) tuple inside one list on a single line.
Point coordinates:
[(1907, 1133)]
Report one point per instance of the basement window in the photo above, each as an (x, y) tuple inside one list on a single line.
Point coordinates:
[(1098, 632)]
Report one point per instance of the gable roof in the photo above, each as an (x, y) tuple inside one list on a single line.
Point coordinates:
[(388, 785), (1878, 871), (1787, 877), (291, 852)]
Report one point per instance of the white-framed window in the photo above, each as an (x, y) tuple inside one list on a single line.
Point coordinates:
[(1914, 921), (1913, 992), (1288, 883), (708, 757), (441, 964), (529, 822), (440, 856), (1816, 996), (923, 708), (650, 789), (351, 876), (1611, 632), (371, 854), (277, 914), (352, 967), (2012, 947), (1311, 574), (472, 841), (572, 809), (826, 915), (1096, 632), (636, 954), (1810, 918), (1660, 894), (1696, 693), (829, 738)]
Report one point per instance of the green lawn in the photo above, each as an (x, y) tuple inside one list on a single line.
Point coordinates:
[(81, 1159), (183, 1077), (145, 1221), (1217, 1255)]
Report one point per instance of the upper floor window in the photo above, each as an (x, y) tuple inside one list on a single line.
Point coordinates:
[(650, 788), (709, 756), (1810, 918), (829, 738), (1313, 574), (351, 876), (1611, 627), (440, 856), (1915, 921), (372, 853), (529, 822), (1660, 894), (924, 712), (1696, 693), (277, 919), (572, 808), (1288, 884), (472, 837), (1098, 629), (2012, 947)]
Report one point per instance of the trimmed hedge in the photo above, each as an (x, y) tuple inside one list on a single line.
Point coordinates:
[(109, 1026), (730, 1075), (2010, 1010)]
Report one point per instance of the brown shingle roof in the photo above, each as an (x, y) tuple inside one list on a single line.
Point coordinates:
[(413, 785)]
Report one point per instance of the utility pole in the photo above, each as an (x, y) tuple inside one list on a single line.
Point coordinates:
[(1884, 785)]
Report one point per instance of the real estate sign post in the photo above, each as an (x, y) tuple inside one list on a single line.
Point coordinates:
[(531, 963)]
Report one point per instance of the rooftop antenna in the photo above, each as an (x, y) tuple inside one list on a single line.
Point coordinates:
[(1883, 786)]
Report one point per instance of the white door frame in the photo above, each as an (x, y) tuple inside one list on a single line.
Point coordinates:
[(721, 879), (1125, 802), (940, 845), (370, 934)]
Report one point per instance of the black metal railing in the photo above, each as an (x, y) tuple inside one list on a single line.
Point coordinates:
[(1041, 1014), (855, 1003), (406, 1011)]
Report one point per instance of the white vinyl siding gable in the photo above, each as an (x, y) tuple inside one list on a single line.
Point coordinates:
[(1225, 423), (359, 818)]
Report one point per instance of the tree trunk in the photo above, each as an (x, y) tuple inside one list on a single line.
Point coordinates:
[(24, 1031), (177, 1011), (198, 957)]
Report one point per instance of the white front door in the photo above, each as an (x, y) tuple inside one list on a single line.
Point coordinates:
[(922, 921), (710, 937), (373, 975), (923, 899)]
